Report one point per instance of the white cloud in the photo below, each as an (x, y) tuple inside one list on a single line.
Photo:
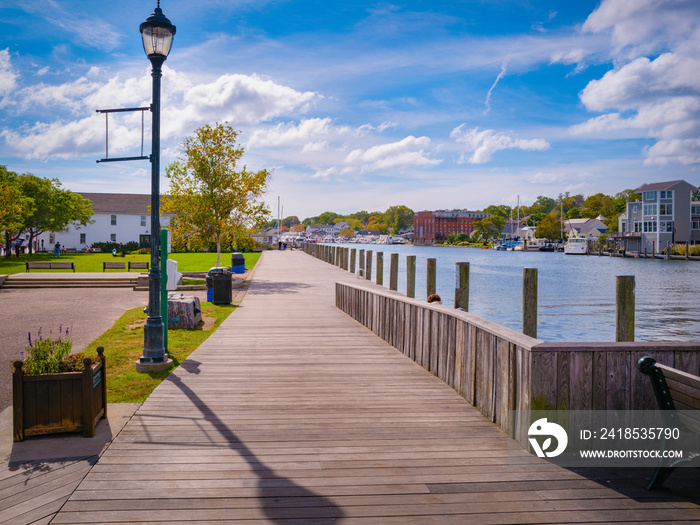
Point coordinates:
[(239, 99), (483, 144), (644, 27), (407, 152), (658, 97), (8, 76)]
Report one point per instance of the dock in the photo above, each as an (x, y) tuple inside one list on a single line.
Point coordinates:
[(293, 412)]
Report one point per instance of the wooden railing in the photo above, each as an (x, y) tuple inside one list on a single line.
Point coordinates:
[(499, 370)]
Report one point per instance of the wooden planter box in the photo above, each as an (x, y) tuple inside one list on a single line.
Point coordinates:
[(55, 403)]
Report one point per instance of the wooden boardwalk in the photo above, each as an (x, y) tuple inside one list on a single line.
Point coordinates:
[(292, 412)]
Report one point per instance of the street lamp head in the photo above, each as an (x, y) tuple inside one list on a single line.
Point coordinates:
[(157, 33)]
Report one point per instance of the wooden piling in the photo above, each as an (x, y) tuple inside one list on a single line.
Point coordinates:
[(368, 266), (530, 302), (624, 308), (361, 264), (380, 268), (353, 259), (462, 285), (411, 276), (394, 272), (431, 273)]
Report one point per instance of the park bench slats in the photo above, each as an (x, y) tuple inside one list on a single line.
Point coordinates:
[(113, 265), (138, 265), (43, 265)]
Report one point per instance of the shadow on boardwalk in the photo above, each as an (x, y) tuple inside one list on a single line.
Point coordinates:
[(271, 487), (263, 287)]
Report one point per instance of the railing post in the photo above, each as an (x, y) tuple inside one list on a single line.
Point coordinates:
[(411, 276), (530, 302), (18, 402), (353, 259), (431, 277), (361, 264), (462, 285), (394, 272), (368, 266), (380, 268), (624, 308)]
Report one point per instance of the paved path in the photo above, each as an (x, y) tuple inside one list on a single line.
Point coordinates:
[(294, 413)]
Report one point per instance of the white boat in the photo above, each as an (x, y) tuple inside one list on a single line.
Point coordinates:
[(576, 246), (536, 245)]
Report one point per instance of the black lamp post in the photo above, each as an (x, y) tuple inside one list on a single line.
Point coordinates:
[(157, 33)]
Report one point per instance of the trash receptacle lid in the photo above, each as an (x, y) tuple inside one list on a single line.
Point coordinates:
[(219, 269)]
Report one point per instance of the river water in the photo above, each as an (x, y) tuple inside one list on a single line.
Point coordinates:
[(576, 293)]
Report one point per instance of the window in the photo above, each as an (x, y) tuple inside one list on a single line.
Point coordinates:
[(668, 194), (635, 208), (696, 225), (114, 220), (666, 226), (143, 220), (666, 209), (649, 226), (650, 209), (624, 227), (650, 196), (82, 238), (113, 237), (695, 210)]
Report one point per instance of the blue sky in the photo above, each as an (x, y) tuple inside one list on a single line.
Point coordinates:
[(365, 105)]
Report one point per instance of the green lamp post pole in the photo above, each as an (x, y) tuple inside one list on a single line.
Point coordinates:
[(157, 33)]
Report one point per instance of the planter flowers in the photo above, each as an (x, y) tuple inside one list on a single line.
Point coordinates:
[(54, 391)]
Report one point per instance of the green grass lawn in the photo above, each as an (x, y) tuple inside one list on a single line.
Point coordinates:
[(123, 344), (92, 262)]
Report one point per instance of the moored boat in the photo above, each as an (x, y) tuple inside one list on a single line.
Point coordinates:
[(576, 246)]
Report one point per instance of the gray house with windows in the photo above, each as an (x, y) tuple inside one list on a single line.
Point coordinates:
[(665, 215)]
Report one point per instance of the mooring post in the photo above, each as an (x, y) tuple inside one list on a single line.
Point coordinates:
[(380, 268), (687, 250), (530, 301), (431, 277), (353, 259), (411, 276), (368, 266), (394, 272), (668, 250), (462, 285), (624, 308), (361, 264)]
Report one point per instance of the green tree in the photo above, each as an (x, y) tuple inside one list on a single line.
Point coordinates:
[(501, 211), (14, 207), (398, 217), (549, 227), (489, 228), (54, 208), (212, 198)]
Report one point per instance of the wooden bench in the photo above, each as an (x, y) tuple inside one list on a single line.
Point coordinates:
[(112, 265), (44, 265), (138, 265), (675, 391)]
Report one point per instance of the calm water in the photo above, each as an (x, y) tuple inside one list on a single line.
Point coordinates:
[(576, 293)]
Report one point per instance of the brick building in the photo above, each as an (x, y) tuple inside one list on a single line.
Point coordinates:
[(431, 227)]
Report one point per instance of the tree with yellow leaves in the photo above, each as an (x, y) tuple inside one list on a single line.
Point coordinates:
[(212, 200)]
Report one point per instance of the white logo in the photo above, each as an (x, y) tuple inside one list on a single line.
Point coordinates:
[(542, 428)]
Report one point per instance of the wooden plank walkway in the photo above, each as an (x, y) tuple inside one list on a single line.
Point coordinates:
[(294, 413)]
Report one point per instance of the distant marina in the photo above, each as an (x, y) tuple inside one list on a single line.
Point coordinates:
[(576, 294)]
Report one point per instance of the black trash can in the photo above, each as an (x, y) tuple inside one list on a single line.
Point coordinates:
[(237, 263), (219, 279)]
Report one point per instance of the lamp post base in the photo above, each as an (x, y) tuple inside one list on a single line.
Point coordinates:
[(151, 367)]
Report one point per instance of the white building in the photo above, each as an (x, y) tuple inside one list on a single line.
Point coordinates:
[(118, 217)]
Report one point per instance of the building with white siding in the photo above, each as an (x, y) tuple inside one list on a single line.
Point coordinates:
[(118, 217)]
